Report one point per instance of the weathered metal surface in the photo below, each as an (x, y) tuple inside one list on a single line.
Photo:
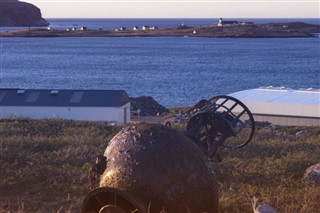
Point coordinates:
[(151, 168), (164, 167), (111, 200), (223, 122), (96, 171)]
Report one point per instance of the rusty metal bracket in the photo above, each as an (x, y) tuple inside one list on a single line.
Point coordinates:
[(96, 171), (223, 122)]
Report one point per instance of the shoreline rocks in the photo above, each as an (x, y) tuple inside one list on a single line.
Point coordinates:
[(147, 106)]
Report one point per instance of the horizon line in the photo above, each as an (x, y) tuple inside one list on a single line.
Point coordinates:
[(182, 18)]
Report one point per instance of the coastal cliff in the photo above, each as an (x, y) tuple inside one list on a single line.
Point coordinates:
[(15, 13)]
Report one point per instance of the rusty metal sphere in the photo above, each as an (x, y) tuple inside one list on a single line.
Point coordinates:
[(112, 200), (112, 209), (163, 167)]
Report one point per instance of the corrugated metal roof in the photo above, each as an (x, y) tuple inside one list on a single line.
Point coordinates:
[(279, 95), (281, 101), (77, 98)]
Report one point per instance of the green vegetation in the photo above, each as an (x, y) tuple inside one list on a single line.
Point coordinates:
[(45, 164)]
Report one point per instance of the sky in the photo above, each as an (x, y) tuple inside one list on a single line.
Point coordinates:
[(178, 8)]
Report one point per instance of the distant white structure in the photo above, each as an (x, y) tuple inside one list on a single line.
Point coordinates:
[(154, 28), (283, 106), (135, 28), (120, 29), (246, 23), (145, 27), (84, 28), (226, 23), (112, 106)]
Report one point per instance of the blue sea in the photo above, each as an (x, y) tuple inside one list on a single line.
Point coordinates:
[(176, 71)]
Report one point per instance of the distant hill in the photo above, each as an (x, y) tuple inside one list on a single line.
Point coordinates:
[(15, 13)]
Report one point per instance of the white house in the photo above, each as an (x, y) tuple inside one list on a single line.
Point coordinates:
[(145, 27), (112, 106), (283, 106), (135, 28), (227, 23)]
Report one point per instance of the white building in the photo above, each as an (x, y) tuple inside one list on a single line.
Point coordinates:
[(283, 106), (226, 23), (112, 106), (145, 27)]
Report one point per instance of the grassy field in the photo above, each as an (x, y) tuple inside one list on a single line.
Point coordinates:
[(45, 164)]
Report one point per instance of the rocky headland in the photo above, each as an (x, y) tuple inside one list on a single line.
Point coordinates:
[(15, 13), (271, 30)]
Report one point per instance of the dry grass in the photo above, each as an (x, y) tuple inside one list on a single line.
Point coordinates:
[(271, 168), (44, 163), (44, 167)]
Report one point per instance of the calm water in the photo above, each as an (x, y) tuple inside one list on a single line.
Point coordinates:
[(175, 71)]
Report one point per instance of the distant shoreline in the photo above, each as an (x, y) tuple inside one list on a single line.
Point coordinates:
[(245, 30)]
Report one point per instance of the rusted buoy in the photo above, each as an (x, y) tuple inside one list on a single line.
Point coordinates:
[(163, 167), (151, 168)]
